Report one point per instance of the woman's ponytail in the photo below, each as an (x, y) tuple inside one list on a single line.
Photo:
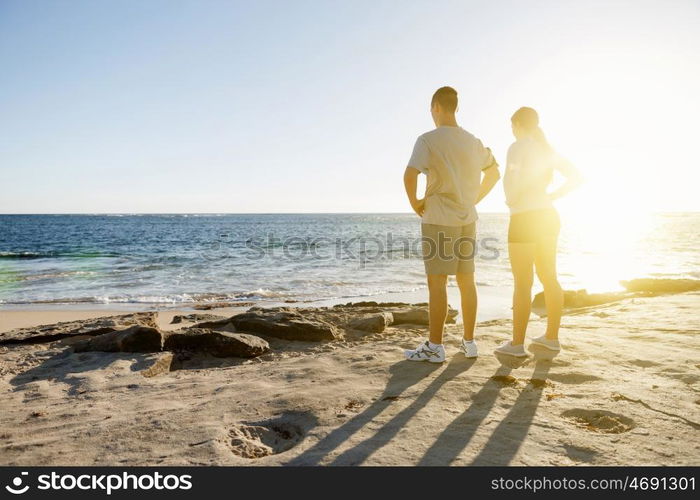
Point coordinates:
[(539, 136)]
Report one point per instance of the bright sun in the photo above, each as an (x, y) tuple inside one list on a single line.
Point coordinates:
[(607, 223)]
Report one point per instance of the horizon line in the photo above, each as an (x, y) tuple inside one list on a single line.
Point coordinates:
[(280, 213)]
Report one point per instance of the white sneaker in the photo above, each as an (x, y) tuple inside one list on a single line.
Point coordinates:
[(542, 341), (469, 349), (426, 353), (511, 350)]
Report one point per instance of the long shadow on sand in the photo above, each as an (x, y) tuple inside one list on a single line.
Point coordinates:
[(500, 448), (361, 451), (404, 374), (457, 435)]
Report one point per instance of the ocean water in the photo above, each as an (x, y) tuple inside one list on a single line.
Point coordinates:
[(181, 259)]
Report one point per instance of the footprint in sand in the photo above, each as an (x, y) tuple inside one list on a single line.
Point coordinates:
[(257, 441), (601, 421), (269, 437)]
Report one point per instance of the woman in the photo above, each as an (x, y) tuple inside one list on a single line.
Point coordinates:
[(534, 227)]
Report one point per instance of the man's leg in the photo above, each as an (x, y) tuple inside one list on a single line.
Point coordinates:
[(437, 291), (467, 291)]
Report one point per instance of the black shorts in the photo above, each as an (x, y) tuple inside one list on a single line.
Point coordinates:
[(535, 226)]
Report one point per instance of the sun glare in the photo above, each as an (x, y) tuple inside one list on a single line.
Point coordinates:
[(608, 233)]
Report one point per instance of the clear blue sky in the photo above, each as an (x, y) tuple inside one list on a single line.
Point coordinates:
[(313, 106)]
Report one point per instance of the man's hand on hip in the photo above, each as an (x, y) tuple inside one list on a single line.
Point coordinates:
[(418, 206)]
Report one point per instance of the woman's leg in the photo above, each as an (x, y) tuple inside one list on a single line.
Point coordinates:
[(522, 256), (546, 266)]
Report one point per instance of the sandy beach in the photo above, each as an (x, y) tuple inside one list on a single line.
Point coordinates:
[(454, 240), (623, 392)]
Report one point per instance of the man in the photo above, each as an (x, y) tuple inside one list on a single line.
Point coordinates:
[(461, 171)]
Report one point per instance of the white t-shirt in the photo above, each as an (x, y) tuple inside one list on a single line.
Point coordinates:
[(530, 167), (453, 159)]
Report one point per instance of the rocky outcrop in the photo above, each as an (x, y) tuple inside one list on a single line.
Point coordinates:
[(286, 323), (216, 324), (196, 317), (644, 287), (91, 327), (216, 343), (420, 316), (146, 340), (580, 299), (372, 303), (136, 338), (311, 324), (325, 323), (375, 323)]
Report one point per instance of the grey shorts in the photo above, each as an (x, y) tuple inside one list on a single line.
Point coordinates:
[(448, 249)]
